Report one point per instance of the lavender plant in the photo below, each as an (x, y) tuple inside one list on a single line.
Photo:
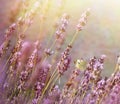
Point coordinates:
[(31, 75)]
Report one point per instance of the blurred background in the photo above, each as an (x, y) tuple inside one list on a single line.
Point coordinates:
[(100, 36)]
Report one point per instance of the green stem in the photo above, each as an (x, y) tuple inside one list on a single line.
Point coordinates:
[(54, 82), (46, 87), (74, 38)]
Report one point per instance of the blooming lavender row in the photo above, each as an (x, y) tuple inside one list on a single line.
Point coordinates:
[(31, 77)]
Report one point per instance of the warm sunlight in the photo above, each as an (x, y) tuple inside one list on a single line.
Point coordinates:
[(59, 51)]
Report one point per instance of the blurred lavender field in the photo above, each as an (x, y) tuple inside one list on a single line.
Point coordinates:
[(102, 32), (100, 36)]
